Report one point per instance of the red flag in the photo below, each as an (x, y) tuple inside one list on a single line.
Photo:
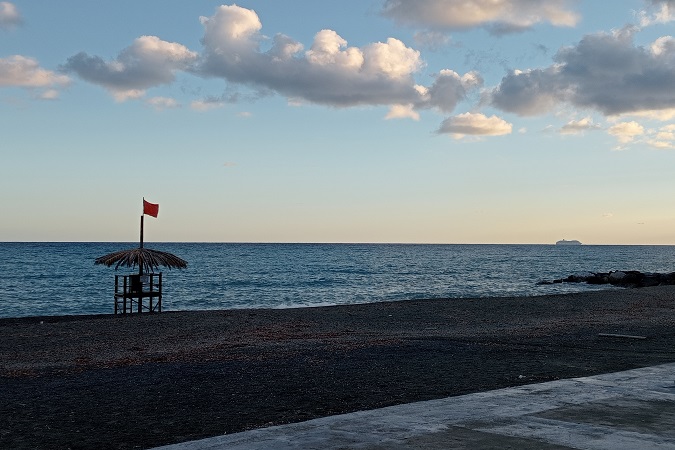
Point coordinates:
[(151, 209)]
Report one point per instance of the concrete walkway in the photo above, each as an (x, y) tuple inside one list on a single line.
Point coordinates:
[(624, 410)]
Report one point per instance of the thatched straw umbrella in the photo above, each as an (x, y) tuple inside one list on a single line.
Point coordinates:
[(135, 288), (146, 259)]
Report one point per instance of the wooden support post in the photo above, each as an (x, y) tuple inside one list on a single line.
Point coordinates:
[(159, 302), (130, 288), (150, 281), (116, 290), (126, 291)]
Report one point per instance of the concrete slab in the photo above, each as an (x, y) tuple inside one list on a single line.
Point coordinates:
[(623, 410)]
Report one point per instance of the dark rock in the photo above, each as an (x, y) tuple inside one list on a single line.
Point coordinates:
[(622, 278), (597, 278), (651, 280)]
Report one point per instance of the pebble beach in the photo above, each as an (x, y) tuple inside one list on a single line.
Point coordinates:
[(141, 381)]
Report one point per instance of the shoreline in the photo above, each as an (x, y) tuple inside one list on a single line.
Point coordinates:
[(74, 317), (106, 381)]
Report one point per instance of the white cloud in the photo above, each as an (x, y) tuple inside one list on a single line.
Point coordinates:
[(148, 62), (327, 50), (449, 88), (206, 104), (657, 12), (578, 126), (392, 59), (661, 145), (663, 45), (122, 95), (662, 138), (662, 115), (230, 25), (161, 103), (402, 112), (605, 71), (9, 15), (527, 93), (330, 72), (432, 40), (626, 132), (476, 125), (498, 16), (23, 72), (213, 102), (48, 94)]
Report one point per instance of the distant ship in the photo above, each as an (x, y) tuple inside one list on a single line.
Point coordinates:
[(572, 242)]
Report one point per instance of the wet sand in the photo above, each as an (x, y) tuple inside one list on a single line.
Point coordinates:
[(123, 382)]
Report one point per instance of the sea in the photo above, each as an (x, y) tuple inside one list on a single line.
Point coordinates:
[(54, 279)]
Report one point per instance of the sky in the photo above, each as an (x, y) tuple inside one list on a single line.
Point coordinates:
[(394, 121)]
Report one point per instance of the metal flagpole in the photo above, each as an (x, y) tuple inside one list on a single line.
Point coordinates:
[(140, 256)]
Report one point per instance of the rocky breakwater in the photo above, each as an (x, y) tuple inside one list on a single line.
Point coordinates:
[(622, 278)]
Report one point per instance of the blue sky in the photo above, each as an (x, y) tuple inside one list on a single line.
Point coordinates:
[(421, 121)]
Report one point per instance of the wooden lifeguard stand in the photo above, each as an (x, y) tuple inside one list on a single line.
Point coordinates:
[(131, 290)]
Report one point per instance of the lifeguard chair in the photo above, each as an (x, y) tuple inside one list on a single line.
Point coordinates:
[(131, 290)]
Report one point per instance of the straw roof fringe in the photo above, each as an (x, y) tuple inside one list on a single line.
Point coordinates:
[(148, 258)]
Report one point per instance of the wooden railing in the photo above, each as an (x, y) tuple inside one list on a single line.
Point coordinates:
[(130, 290)]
